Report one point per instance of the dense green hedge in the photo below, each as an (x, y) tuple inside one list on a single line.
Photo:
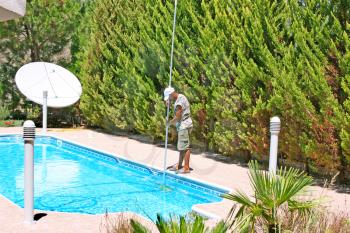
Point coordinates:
[(238, 61)]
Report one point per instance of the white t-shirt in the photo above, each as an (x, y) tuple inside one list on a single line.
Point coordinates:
[(186, 121)]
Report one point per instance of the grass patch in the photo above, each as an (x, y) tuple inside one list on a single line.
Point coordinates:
[(320, 220), (118, 224)]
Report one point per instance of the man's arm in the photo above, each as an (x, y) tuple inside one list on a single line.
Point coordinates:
[(178, 113)]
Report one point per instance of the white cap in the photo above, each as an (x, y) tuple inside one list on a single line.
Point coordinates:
[(29, 124), (167, 92)]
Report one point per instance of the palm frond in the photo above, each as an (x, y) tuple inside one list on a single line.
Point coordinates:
[(137, 227), (262, 183), (221, 227), (198, 225), (304, 207), (165, 227), (183, 225), (240, 198), (290, 184), (243, 223)]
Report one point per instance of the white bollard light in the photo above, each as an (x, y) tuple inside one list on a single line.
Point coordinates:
[(28, 137), (44, 111), (275, 127)]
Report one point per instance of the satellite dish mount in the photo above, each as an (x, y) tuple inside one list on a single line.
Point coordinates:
[(44, 111)]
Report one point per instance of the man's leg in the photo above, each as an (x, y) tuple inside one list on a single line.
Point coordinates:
[(187, 160), (183, 146), (181, 159)]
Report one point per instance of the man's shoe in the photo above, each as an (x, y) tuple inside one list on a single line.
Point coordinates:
[(183, 171), (173, 168)]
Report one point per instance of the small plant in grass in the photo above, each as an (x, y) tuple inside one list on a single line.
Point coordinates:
[(272, 193), (119, 224), (9, 123)]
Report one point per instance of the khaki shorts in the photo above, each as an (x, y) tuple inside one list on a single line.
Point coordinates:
[(183, 139)]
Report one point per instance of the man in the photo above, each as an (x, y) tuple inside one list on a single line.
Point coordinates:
[(183, 122)]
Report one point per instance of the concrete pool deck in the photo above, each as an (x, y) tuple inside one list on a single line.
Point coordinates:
[(209, 169)]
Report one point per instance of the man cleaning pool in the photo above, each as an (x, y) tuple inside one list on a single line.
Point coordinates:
[(183, 122)]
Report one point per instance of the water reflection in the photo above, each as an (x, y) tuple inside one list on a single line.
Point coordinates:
[(50, 174)]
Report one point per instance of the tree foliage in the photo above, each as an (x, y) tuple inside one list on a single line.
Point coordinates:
[(43, 34)]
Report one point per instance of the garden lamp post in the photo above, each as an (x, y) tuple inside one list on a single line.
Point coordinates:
[(275, 127), (28, 137)]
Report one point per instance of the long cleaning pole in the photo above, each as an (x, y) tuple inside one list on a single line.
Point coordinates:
[(172, 46), (168, 102)]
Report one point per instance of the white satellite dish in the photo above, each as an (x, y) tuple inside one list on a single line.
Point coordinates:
[(63, 88), (11, 9), (49, 85)]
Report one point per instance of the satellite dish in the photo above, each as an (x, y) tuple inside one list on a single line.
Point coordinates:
[(49, 85), (11, 9), (63, 88)]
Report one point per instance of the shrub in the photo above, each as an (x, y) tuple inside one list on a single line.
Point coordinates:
[(34, 112), (18, 115), (4, 111)]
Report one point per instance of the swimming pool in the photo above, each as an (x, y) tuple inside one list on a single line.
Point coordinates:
[(72, 178)]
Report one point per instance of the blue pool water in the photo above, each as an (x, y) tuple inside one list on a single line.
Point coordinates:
[(71, 178)]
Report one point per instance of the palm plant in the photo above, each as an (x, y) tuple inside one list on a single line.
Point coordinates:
[(271, 193), (180, 225)]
